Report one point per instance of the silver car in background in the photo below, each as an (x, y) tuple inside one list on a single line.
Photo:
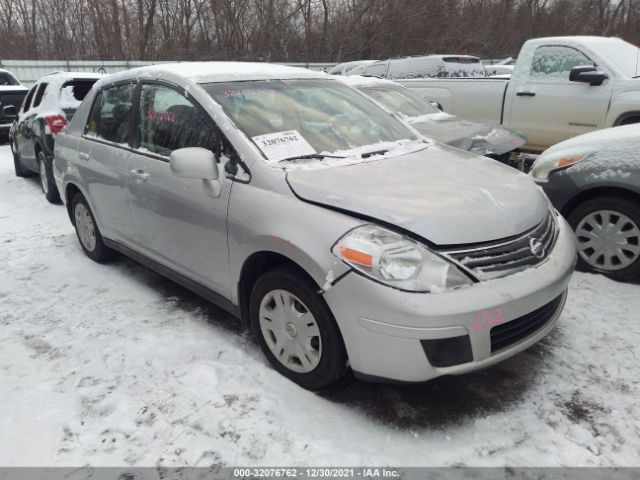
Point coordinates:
[(493, 141), (324, 223)]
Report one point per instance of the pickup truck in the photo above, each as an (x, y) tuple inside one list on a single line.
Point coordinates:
[(561, 87), (11, 95)]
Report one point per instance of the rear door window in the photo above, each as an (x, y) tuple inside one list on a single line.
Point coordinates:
[(27, 101), (110, 117), (170, 121), (39, 94)]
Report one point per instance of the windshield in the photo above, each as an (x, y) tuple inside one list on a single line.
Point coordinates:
[(399, 100), (622, 55), (302, 117), (7, 79)]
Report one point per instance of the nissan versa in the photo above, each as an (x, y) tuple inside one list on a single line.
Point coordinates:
[(338, 234)]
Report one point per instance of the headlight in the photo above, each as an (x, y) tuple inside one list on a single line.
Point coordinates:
[(397, 261), (546, 164)]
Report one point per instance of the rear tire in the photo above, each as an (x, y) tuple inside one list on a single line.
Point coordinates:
[(17, 164), (301, 339), (47, 183), (608, 234), (87, 231)]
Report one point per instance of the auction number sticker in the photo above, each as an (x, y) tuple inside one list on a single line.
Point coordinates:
[(280, 145)]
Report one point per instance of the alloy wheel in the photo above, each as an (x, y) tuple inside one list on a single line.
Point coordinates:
[(290, 331), (85, 227), (608, 240)]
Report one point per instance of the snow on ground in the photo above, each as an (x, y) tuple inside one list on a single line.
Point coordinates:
[(114, 365)]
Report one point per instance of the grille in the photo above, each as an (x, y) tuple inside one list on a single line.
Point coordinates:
[(503, 258), (507, 334)]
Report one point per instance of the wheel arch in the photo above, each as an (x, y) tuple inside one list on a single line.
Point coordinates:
[(627, 118), (619, 192), (70, 190), (256, 265)]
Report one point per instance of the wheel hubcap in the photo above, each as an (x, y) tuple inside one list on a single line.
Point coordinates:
[(608, 240), (43, 176), (85, 228), (290, 331)]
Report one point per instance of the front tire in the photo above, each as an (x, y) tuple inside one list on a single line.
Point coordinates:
[(47, 183), (608, 234), (296, 329), (87, 231)]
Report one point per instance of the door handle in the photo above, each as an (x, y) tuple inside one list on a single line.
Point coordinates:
[(83, 156), (526, 94), (140, 174)]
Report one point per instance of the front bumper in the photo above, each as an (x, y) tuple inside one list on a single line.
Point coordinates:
[(384, 329)]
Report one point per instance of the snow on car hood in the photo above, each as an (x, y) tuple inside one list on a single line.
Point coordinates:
[(441, 194), (480, 138)]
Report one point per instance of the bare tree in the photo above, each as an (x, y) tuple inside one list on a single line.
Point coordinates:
[(297, 30)]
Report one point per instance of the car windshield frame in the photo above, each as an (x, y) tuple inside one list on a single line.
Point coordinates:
[(330, 117), (620, 54), (413, 100)]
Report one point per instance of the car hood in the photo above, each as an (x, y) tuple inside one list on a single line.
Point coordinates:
[(480, 138), (441, 194)]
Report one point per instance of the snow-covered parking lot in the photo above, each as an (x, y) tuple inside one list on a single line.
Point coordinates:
[(115, 365)]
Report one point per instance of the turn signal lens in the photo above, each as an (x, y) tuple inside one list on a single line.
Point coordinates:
[(547, 163), (356, 257), (566, 161)]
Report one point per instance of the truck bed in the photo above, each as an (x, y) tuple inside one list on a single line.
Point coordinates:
[(479, 99)]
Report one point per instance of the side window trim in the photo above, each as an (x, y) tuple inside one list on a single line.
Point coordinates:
[(98, 97)]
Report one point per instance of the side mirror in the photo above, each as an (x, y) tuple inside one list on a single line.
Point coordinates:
[(436, 105), (9, 111), (195, 163), (587, 74)]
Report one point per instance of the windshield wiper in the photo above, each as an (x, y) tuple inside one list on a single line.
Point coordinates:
[(319, 156), (371, 154)]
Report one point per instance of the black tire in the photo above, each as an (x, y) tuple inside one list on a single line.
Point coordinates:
[(100, 252), (21, 171), (47, 183), (332, 364), (630, 121), (616, 204)]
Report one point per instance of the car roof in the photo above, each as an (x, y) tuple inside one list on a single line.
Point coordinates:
[(434, 56), (363, 81), (210, 72), (589, 40), (71, 75)]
